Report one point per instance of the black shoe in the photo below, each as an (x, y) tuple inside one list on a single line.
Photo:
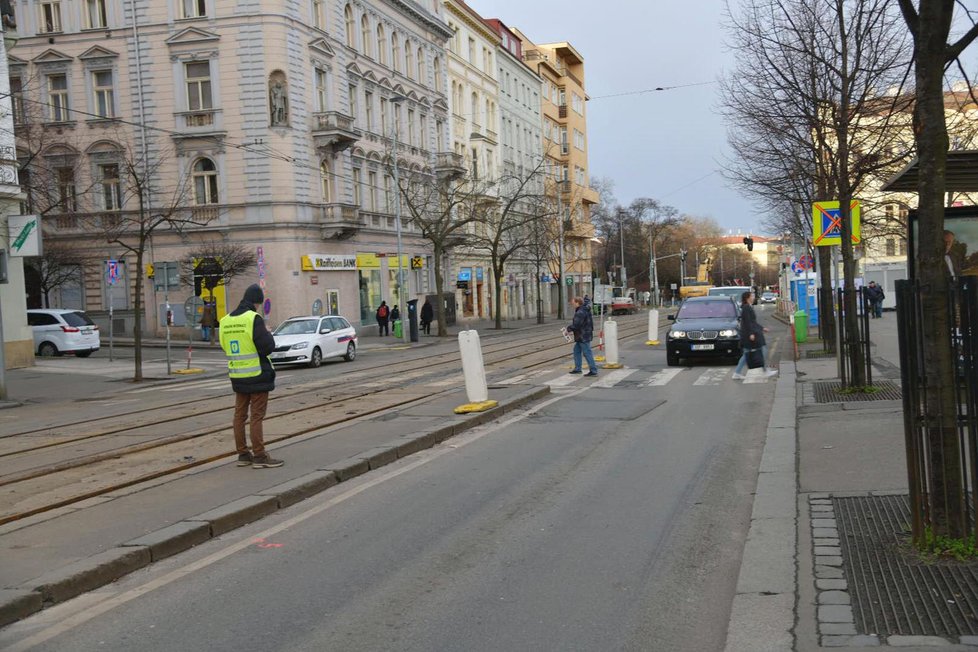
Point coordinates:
[(265, 462), (576, 371), (245, 459), (591, 373)]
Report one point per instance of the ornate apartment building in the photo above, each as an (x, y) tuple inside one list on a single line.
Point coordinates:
[(270, 123)]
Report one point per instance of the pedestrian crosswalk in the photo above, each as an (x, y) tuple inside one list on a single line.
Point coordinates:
[(559, 377)]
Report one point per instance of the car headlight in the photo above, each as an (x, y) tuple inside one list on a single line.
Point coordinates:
[(675, 335), (300, 345), (728, 333)]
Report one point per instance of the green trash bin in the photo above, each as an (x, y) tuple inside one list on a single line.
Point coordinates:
[(801, 326), (398, 333)]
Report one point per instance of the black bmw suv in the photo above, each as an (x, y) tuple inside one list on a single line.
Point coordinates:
[(704, 327)]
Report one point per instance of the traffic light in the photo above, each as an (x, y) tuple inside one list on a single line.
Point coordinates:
[(682, 255), (749, 241), (150, 270)]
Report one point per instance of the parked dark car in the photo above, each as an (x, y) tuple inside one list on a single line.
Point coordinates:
[(704, 327)]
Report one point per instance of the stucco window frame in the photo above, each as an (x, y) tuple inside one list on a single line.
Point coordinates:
[(200, 119)]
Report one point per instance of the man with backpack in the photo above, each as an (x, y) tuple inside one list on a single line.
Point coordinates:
[(383, 315)]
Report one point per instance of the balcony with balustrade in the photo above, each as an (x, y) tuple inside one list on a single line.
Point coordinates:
[(334, 131)]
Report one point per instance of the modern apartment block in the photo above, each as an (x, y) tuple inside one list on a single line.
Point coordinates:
[(270, 123)]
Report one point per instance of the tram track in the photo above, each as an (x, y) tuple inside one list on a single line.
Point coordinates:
[(42, 487)]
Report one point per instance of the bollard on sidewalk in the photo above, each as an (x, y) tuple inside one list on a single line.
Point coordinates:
[(474, 371), (611, 345), (653, 328)]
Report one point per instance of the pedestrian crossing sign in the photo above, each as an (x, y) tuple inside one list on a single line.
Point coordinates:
[(827, 223)]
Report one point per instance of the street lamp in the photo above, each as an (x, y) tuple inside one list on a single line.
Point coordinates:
[(402, 277), (560, 244)]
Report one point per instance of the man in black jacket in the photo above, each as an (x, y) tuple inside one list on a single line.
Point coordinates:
[(247, 343)]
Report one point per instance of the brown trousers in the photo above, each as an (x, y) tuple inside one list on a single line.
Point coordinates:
[(258, 403)]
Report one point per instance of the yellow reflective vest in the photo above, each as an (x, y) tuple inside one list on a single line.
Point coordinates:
[(239, 345)]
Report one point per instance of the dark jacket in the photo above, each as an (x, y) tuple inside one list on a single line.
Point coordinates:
[(265, 343), (427, 313), (874, 293), (382, 319), (583, 325), (748, 326)]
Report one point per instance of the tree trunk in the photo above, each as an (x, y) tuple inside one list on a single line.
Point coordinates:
[(439, 289), (948, 516), (826, 316), (137, 328), (497, 273)]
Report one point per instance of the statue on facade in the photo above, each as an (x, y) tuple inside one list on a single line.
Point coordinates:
[(279, 100)]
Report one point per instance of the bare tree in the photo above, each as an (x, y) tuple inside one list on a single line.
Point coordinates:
[(808, 120), (224, 261), (502, 232), (929, 25), (158, 209), (58, 265), (443, 209)]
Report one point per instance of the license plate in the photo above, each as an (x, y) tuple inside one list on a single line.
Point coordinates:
[(702, 347)]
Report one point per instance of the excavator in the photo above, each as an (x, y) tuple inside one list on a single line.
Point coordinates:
[(700, 286)]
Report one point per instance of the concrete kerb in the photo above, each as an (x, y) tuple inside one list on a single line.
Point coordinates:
[(762, 616), (98, 570)]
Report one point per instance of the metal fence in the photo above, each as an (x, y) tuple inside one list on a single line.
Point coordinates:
[(855, 339), (942, 448)]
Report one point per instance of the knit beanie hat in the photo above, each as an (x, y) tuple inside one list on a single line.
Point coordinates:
[(254, 294)]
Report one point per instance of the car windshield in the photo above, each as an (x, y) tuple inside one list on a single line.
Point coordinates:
[(768, 295), (297, 327), (707, 310), (77, 319)]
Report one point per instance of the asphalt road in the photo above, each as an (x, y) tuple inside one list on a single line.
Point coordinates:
[(604, 518)]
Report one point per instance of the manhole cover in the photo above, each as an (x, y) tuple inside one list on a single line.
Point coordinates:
[(830, 392), (893, 591)]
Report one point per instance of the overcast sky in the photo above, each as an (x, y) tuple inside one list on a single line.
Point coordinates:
[(665, 144)]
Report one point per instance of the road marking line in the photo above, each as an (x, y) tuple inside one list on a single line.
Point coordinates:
[(662, 377), (520, 378), (563, 381), (612, 378), (711, 377), (755, 376), (448, 382)]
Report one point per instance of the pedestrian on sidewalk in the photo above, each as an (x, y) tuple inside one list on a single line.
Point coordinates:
[(751, 336), (583, 330), (427, 316), (875, 295), (383, 314), (207, 320), (395, 315), (247, 343)]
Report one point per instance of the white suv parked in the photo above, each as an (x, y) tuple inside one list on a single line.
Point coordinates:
[(58, 331)]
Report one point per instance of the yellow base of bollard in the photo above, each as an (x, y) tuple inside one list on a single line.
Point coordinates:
[(652, 342), (192, 370), (475, 407), (612, 365), (599, 358)]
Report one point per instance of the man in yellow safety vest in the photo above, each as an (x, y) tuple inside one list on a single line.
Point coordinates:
[(247, 343)]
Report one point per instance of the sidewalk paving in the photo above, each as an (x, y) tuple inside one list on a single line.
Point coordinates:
[(843, 450)]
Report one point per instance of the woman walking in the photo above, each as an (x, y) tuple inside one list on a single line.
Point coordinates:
[(751, 337)]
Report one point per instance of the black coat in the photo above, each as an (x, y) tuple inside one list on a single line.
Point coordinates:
[(427, 313), (749, 326), (265, 343)]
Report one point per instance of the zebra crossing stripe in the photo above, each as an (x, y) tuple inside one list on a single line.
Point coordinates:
[(562, 381), (662, 377), (711, 377), (612, 378)]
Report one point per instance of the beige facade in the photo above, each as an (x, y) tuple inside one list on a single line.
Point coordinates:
[(271, 123), (564, 108)]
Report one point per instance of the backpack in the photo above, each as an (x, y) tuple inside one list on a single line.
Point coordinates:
[(382, 312)]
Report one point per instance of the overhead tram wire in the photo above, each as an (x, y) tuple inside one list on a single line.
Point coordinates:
[(650, 90)]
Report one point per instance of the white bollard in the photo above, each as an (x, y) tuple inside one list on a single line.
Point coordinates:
[(653, 328), (474, 372), (611, 345)]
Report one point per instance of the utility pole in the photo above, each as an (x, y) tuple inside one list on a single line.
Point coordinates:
[(403, 281), (623, 277)]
